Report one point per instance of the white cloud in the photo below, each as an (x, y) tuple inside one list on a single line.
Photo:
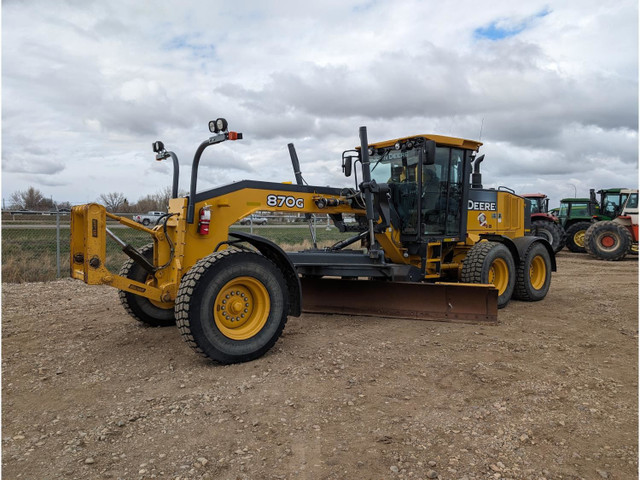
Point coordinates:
[(88, 86)]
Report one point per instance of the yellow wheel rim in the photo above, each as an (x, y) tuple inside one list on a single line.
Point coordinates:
[(241, 308), (499, 275), (578, 238), (537, 272)]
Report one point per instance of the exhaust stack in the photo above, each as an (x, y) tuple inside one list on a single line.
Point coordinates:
[(476, 176)]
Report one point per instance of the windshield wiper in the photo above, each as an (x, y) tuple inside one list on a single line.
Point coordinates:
[(380, 161)]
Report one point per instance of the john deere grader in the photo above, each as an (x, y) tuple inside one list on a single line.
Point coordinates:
[(428, 243)]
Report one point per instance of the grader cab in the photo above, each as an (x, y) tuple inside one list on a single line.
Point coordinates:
[(430, 244)]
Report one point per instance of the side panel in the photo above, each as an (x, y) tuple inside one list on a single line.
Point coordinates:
[(495, 211), (482, 212)]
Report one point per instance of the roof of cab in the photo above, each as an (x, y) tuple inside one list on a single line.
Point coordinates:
[(439, 139)]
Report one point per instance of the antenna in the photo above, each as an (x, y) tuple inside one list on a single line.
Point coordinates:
[(481, 125)]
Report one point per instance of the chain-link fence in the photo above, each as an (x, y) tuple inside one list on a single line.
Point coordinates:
[(35, 247)]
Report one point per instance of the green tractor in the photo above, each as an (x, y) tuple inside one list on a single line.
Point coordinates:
[(577, 214)]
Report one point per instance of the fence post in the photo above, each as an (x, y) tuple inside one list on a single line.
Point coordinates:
[(57, 243)]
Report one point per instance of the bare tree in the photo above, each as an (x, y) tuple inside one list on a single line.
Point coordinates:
[(63, 205), (145, 204), (163, 197), (30, 199), (158, 201), (114, 201)]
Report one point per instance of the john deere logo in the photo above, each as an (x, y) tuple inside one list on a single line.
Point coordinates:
[(482, 206)]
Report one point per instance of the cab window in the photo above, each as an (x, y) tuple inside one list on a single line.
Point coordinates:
[(633, 201), (579, 210)]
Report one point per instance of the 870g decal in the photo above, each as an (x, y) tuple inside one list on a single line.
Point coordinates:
[(285, 201)]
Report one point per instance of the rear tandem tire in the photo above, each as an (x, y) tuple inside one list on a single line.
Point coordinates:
[(491, 262), (232, 306), (534, 274), (574, 238), (141, 308), (608, 241)]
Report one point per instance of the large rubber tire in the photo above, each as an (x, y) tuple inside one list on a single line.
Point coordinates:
[(491, 262), (141, 308), (608, 241), (574, 238), (533, 277), (232, 306), (146, 222), (551, 232)]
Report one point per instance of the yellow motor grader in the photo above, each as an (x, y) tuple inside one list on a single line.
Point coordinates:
[(428, 243)]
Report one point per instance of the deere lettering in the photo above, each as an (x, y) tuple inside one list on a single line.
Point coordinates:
[(490, 206)]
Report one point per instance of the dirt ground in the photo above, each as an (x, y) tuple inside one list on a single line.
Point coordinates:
[(551, 392)]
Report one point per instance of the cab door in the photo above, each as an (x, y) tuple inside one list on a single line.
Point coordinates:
[(443, 193)]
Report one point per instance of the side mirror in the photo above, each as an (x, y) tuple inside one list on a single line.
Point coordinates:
[(430, 152), (347, 165)]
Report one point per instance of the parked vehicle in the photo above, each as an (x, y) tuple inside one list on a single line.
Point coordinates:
[(433, 245), (614, 239), (577, 214), (543, 223), (148, 218), (253, 219)]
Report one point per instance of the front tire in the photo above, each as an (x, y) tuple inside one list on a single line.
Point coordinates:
[(608, 241), (534, 274), (232, 306), (575, 236), (154, 314), (491, 262)]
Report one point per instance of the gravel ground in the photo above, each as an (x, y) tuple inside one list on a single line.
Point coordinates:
[(551, 392)]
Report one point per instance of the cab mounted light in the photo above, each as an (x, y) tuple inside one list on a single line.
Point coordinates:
[(221, 123), (218, 125), (398, 146), (372, 151), (158, 146)]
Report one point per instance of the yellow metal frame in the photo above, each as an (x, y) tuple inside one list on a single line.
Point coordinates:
[(88, 252), (89, 236)]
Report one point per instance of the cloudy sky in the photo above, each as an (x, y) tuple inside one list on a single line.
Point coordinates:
[(550, 87)]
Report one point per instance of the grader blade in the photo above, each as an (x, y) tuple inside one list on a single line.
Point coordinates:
[(445, 302)]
